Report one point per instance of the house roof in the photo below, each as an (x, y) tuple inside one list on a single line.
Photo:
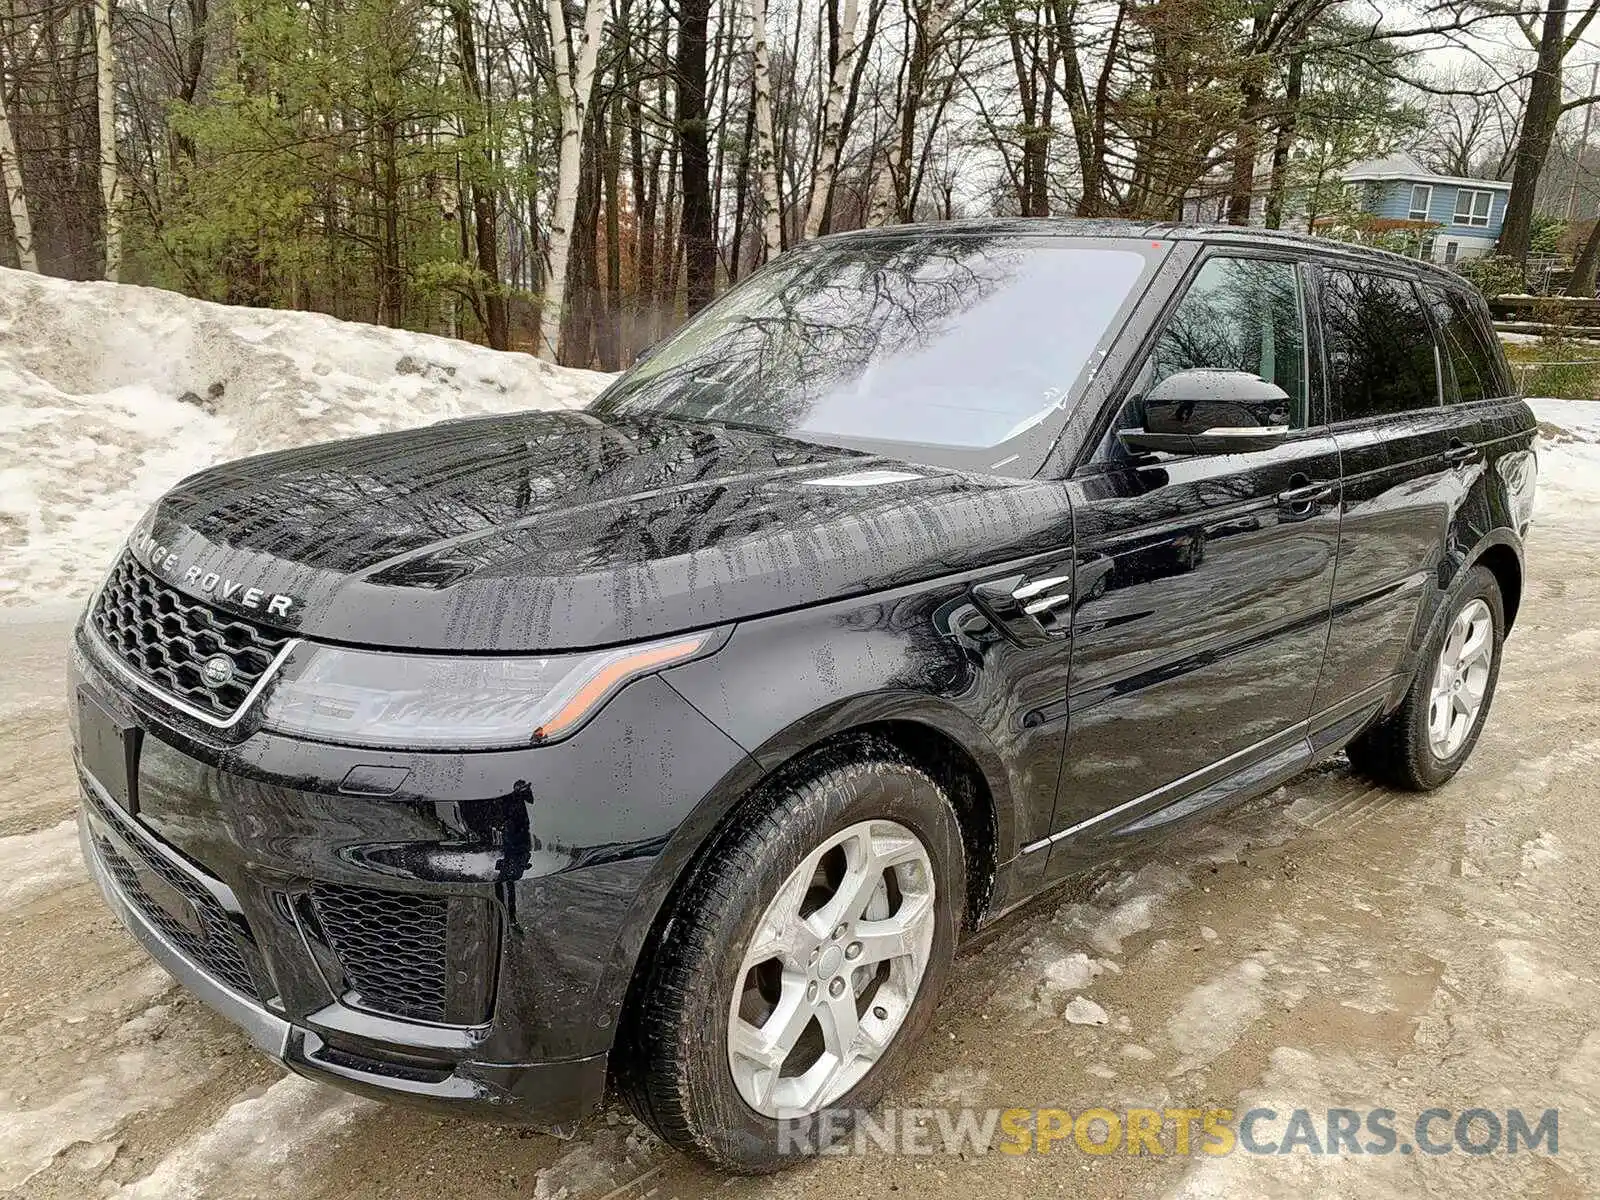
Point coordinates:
[(1402, 167)]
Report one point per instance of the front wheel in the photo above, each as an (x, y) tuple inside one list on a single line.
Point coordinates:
[(1425, 741), (801, 963)]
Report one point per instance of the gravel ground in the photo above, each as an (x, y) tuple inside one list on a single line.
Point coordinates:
[(1334, 945)]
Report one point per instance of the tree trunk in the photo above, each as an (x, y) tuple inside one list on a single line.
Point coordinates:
[(1583, 271), (646, 182), (669, 254), (699, 235), (741, 195), (16, 197), (1539, 121), (1278, 183), (766, 151), (391, 294), (1247, 137), (574, 81), (583, 284), (106, 101), (928, 18), (828, 152), (496, 320), (1242, 189), (1033, 94), (609, 342)]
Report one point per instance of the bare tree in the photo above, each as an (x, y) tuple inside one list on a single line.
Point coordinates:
[(574, 81), (766, 151), (1471, 128), (694, 150), (1551, 40), (16, 195), (106, 102), (839, 74)]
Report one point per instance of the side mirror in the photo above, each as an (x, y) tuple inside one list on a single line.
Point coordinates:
[(1211, 412)]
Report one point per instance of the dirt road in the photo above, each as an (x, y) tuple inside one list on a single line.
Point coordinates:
[(1333, 946)]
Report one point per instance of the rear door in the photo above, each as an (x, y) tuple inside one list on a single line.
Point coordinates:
[(1201, 583), (1400, 447)]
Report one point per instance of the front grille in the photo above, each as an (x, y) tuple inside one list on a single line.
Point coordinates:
[(216, 951), (165, 637), (391, 946)]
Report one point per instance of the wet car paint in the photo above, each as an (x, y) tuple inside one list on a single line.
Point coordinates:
[(553, 531), (1215, 639)]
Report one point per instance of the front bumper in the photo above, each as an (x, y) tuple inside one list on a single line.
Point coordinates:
[(552, 1095), (522, 883)]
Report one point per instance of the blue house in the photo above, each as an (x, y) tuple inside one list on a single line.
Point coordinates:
[(1455, 219)]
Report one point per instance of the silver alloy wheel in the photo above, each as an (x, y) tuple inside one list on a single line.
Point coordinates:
[(832, 969), (1460, 679)]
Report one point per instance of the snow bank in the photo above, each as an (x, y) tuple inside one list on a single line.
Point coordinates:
[(35, 864), (1569, 459), (109, 394), (267, 1144)]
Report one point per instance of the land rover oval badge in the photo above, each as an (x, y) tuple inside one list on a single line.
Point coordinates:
[(217, 671)]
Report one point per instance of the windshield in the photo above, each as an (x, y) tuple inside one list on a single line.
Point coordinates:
[(948, 349)]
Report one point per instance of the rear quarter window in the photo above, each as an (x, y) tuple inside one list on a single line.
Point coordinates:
[(1378, 344), (1467, 340)]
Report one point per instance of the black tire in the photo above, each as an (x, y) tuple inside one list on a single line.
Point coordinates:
[(1396, 750), (672, 1066)]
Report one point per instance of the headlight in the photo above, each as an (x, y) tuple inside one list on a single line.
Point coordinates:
[(436, 702)]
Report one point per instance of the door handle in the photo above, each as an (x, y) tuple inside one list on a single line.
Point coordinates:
[(1307, 494), (1459, 452), (1047, 603), (1039, 586)]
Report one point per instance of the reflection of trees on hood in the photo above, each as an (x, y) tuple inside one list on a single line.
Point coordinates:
[(814, 324)]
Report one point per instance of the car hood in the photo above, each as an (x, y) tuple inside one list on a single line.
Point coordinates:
[(564, 530)]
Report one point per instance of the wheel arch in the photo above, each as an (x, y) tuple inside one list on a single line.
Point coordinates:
[(945, 743), (937, 738), (1501, 555)]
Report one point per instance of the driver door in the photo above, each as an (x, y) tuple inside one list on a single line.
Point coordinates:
[(1200, 624)]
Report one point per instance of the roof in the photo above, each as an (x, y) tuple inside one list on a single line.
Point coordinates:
[(1402, 167), (1163, 231)]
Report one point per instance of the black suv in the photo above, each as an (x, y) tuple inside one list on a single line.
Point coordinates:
[(677, 742)]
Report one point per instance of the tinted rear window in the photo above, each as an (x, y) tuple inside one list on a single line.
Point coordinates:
[(949, 347), (1476, 362), (1379, 345)]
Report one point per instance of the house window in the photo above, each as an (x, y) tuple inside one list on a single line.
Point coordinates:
[(1451, 250), (1421, 198), (1473, 207), (1425, 249)]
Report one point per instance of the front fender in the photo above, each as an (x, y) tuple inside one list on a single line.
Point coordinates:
[(786, 683)]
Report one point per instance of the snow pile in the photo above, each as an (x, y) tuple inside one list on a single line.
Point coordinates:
[(610, 1161), (109, 394), (1569, 459), (266, 1144), (36, 864)]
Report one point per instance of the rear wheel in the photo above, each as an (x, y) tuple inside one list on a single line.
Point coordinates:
[(801, 963), (1425, 741)]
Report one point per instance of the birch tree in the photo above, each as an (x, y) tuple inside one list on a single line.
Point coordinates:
[(832, 122), (16, 197), (106, 93), (766, 151), (574, 83)]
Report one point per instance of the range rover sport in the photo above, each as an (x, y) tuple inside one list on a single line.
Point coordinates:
[(675, 744)]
